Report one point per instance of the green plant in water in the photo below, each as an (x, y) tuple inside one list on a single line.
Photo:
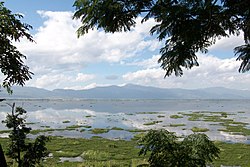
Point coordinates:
[(152, 123), (176, 125), (196, 129), (176, 116), (99, 130)]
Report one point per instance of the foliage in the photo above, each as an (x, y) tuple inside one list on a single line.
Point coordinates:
[(125, 152), (11, 60), (186, 26), (165, 149), (25, 154)]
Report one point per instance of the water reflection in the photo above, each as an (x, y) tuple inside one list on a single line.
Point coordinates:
[(128, 114)]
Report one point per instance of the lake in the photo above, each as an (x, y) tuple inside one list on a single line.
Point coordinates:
[(123, 118)]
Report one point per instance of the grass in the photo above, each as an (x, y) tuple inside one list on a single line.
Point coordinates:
[(100, 152), (238, 129), (148, 113), (5, 131), (176, 125), (72, 127), (233, 154), (136, 130), (67, 121), (116, 128), (31, 123), (37, 131), (95, 152), (176, 116), (86, 126), (99, 130), (44, 126), (219, 117), (152, 123), (196, 129), (195, 116)]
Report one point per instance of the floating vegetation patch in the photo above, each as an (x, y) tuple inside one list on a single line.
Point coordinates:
[(99, 130), (197, 129), (89, 116), (176, 125), (176, 116), (233, 155), (136, 130), (236, 129), (152, 123), (194, 116), (65, 122), (74, 127), (230, 125), (37, 131), (100, 152), (129, 114), (5, 131), (86, 126), (31, 123), (148, 113), (161, 116), (96, 137), (116, 128), (44, 126)]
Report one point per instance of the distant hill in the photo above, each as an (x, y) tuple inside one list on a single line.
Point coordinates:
[(129, 91)]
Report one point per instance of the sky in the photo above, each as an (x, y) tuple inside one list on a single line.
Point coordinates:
[(61, 60)]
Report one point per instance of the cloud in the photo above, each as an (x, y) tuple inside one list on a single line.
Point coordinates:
[(57, 57), (84, 77), (61, 60), (212, 72), (94, 85), (227, 43), (57, 42), (55, 80), (147, 63)]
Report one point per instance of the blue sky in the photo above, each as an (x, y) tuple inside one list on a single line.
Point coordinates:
[(61, 60)]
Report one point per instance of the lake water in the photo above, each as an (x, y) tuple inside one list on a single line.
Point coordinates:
[(127, 114)]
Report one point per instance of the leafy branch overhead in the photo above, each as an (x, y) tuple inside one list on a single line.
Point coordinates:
[(186, 26), (11, 60)]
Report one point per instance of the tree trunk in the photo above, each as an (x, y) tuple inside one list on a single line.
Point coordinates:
[(2, 158)]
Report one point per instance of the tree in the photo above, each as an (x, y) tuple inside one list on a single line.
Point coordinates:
[(25, 154), (186, 26), (196, 150), (11, 60)]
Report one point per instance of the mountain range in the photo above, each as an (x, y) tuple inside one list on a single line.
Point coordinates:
[(129, 91)]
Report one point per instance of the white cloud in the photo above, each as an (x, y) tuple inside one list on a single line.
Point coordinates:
[(84, 77), (57, 42), (57, 57), (50, 80), (147, 63), (211, 72), (94, 85), (228, 43)]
